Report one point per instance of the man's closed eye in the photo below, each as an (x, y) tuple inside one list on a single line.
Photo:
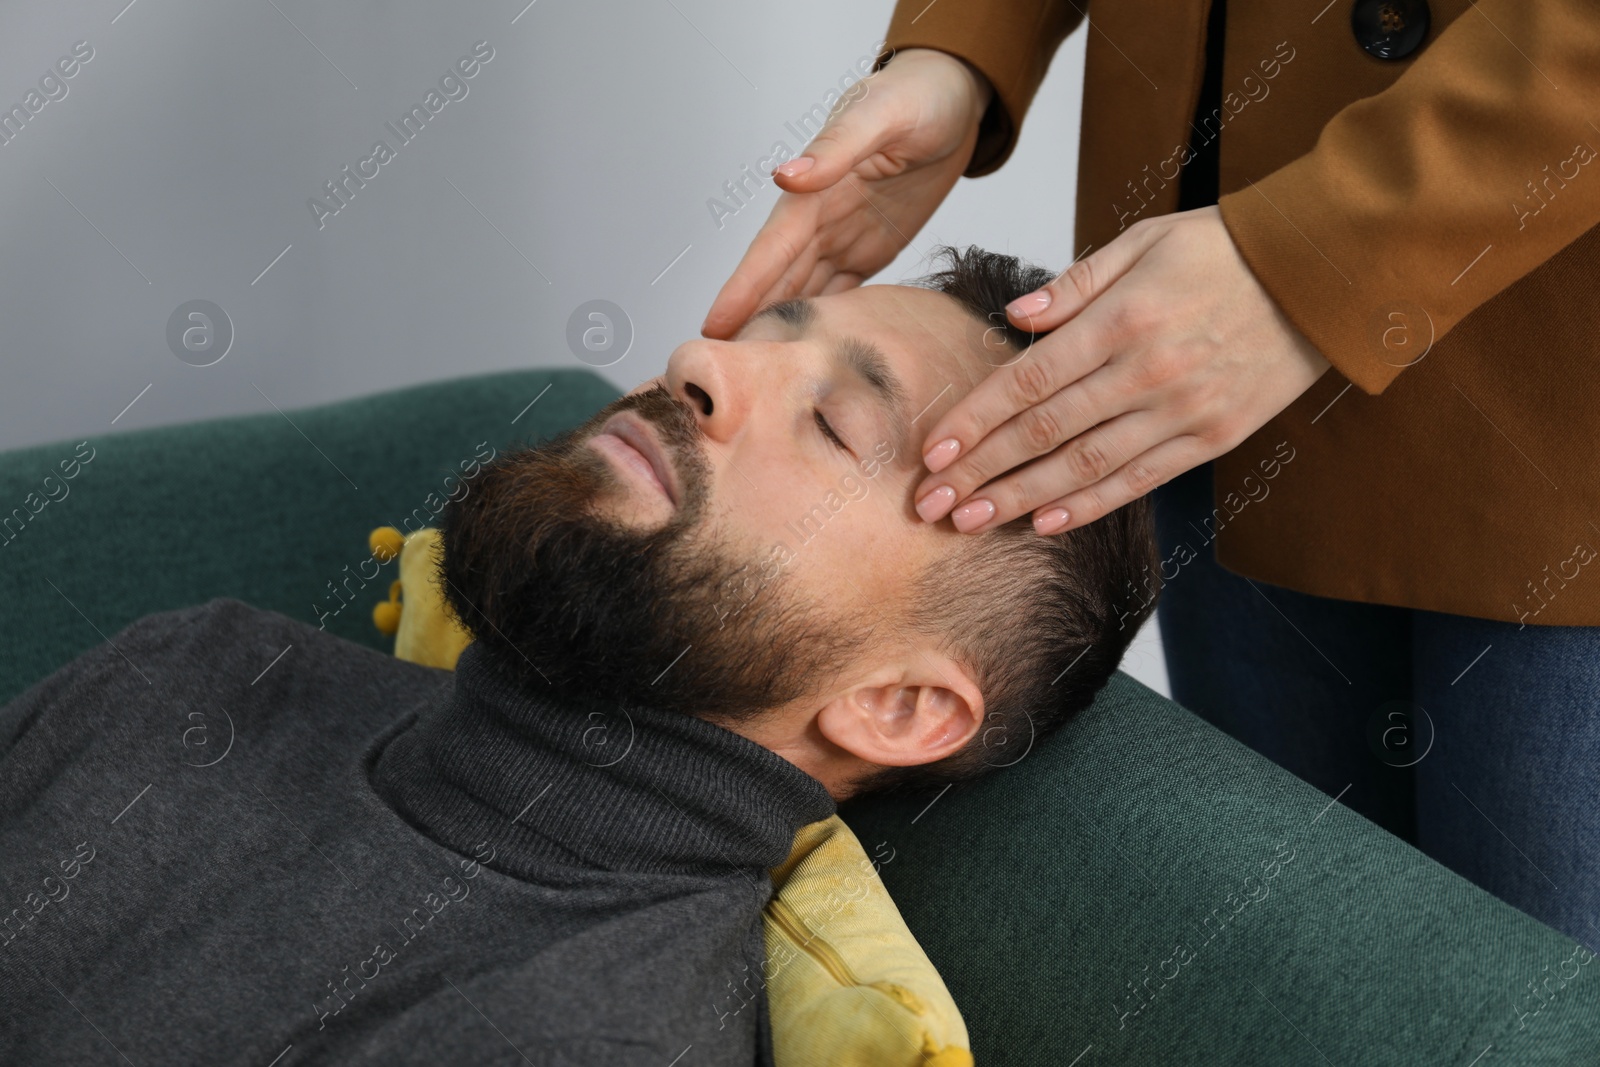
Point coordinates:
[(827, 430)]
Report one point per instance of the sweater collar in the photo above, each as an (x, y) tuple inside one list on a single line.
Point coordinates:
[(548, 784)]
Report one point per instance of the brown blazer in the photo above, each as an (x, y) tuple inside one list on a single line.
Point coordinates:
[(1429, 223)]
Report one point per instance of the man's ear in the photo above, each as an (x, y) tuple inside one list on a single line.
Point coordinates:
[(917, 711)]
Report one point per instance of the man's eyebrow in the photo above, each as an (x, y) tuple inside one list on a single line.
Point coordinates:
[(863, 359), (799, 313)]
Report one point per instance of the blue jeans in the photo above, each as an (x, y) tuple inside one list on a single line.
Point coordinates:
[(1474, 740)]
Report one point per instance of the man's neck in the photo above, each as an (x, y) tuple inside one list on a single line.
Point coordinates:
[(557, 784)]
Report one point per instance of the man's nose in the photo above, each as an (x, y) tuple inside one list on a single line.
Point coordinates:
[(716, 384)]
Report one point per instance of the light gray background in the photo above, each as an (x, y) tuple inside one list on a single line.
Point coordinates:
[(179, 165)]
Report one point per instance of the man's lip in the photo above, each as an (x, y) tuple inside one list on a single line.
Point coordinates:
[(636, 434)]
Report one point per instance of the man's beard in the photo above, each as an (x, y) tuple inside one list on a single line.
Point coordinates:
[(673, 618)]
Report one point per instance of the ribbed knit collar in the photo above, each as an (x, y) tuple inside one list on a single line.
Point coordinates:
[(550, 785)]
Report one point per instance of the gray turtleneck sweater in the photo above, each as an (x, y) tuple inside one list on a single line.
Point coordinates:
[(229, 838)]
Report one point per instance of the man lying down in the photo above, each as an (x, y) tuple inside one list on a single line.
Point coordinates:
[(702, 618)]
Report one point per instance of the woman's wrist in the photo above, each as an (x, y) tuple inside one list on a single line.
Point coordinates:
[(980, 91)]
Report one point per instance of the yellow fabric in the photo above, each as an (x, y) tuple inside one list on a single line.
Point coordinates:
[(847, 983), (386, 543), (386, 616), (424, 630)]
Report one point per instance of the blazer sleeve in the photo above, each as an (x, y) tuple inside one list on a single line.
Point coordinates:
[(1011, 42), (1421, 202)]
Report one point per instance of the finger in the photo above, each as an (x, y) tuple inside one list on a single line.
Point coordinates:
[(806, 277), (851, 135), (813, 280), (1034, 432), (862, 129), (840, 282), (1048, 365), (1085, 279), (1085, 460), (1132, 480), (784, 238)]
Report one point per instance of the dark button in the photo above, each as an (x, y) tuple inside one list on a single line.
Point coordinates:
[(1389, 29)]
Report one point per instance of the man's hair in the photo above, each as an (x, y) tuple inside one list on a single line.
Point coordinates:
[(1041, 620)]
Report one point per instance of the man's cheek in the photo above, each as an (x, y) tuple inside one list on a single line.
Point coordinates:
[(778, 557), (883, 453)]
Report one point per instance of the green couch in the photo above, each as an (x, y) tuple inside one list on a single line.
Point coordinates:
[(1138, 888)]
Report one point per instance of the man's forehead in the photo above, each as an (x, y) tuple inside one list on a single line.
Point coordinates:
[(921, 329)]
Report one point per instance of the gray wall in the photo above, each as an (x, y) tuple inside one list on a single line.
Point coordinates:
[(577, 166)]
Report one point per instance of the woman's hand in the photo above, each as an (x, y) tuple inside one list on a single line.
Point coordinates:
[(1166, 352), (864, 186)]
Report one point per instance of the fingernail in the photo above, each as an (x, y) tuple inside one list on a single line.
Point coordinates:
[(939, 456), (972, 514), (933, 505), (1048, 522), (1028, 306), (796, 167)]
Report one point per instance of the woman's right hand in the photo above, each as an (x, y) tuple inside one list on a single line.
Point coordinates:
[(879, 169)]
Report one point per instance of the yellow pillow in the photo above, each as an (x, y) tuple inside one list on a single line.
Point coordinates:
[(847, 983), (424, 630)]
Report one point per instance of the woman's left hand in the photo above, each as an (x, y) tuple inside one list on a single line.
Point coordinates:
[(1165, 352)]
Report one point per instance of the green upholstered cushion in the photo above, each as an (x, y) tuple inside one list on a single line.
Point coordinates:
[(1125, 891), (1045, 893)]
